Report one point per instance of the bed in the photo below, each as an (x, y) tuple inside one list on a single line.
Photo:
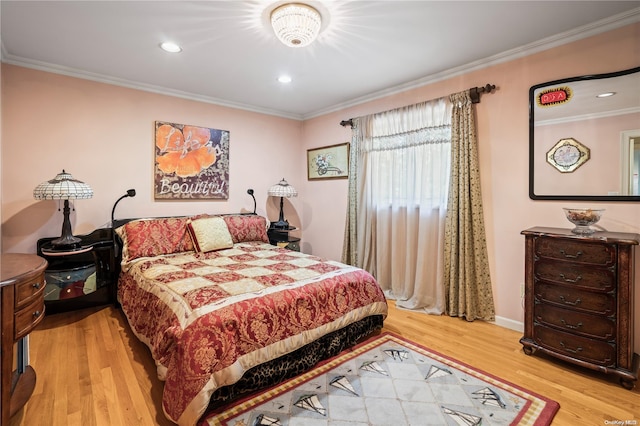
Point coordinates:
[(225, 313)]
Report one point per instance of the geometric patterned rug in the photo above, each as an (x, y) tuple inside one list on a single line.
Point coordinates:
[(390, 381)]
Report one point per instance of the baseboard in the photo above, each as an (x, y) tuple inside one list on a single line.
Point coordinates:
[(510, 324)]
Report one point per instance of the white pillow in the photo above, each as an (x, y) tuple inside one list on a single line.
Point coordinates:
[(209, 234)]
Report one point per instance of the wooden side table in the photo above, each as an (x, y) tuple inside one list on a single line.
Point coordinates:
[(22, 297), (83, 277)]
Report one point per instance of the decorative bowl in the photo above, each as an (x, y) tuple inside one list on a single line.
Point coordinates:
[(583, 219)]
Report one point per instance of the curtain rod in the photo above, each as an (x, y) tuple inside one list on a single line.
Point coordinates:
[(474, 94)]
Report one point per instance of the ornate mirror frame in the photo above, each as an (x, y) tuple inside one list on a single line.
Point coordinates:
[(568, 109)]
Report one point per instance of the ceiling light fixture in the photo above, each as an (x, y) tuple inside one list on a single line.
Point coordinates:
[(170, 47), (284, 79), (605, 95), (296, 24)]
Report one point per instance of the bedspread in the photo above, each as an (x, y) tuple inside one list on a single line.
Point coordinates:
[(209, 317)]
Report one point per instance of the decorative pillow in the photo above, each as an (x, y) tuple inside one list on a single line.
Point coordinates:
[(244, 228), (209, 234), (154, 237)]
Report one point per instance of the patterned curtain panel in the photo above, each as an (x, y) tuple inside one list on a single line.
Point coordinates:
[(349, 248), (466, 272), (398, 188)]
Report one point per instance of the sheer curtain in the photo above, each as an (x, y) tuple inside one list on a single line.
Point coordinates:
[(399, 183)]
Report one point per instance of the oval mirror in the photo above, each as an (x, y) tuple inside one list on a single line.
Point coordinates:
[(584, 138)]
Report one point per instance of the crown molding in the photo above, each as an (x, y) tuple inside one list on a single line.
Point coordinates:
[(106, 79), (575, 34), (578, 33)]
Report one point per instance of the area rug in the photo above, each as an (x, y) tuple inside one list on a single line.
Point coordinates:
[(390, 381)]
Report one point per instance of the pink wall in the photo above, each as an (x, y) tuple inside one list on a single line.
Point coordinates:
[(103, 135), (502, 120)]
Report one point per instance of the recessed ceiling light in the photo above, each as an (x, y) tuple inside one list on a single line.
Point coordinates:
[(605, 95), (284, 79), (170, 47)]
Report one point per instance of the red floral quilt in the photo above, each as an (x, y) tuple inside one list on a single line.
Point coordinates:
[(209, 317)]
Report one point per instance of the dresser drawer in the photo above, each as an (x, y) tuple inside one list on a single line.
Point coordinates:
[(587, 325), (571, 298), (28, 317), (576, 251), (568, 273), (27, 291), (593, 351)]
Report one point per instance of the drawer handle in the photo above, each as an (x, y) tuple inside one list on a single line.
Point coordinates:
[(573, 351), (569, 280), (36, 286), (36, 314), (571, 256), (571, 326), (566, 302)]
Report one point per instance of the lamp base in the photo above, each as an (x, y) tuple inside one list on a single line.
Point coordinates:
[(281, 224), (66, 242)]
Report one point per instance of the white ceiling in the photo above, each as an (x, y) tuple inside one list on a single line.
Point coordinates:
[(231, 57)]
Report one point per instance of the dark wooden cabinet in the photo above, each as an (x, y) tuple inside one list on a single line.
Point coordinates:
[(21, 290), (83, 277), (579, 299)]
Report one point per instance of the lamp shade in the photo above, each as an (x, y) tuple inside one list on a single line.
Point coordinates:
[(62, 187), (296, 24), (282, 189)]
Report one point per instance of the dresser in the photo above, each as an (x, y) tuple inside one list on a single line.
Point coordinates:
[(579, 299), (22, 297)]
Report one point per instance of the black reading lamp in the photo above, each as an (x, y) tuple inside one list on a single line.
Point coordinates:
[(250, 192), (64, 187), (130, 193)]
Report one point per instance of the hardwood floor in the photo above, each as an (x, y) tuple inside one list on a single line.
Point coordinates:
[(92, 370)]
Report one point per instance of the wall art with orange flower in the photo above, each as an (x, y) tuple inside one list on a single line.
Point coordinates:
[(191, 162)]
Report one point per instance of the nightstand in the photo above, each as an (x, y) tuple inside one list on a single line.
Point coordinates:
[(280, 237), (22, 286), (83, 277)]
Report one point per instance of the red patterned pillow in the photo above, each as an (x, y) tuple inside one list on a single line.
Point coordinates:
[(154, 237), (244, 228)]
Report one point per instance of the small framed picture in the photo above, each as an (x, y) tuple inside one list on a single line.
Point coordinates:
[(328, 162), (567, 155)]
